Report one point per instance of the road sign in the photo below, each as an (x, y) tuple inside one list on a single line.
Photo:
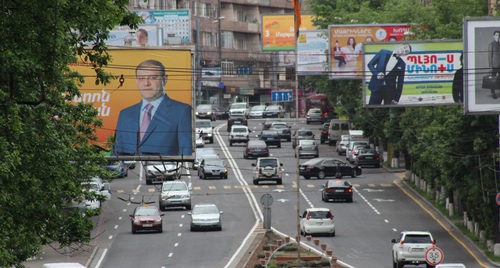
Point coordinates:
[(266, 200), (282, 96), (434, 256), (497, 198)]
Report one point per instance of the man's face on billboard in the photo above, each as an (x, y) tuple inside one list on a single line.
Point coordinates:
[(496, 36), (141, 38), (150, 82), (403, 50)]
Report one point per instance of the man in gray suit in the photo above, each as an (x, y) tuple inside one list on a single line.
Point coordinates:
[(494, 58)]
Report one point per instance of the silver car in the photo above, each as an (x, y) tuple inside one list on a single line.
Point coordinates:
[(308, 148), (175, 194), (256, 111), (206, 216)]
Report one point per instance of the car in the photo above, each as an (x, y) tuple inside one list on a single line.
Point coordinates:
[(146, 218), (159, 171), (256, 111), (302, 134), (337, 189), (175, 194), (236, 120), (239, 108), (206, 216), (200, 143), (351, 145), (63, 265), (212, 168), (271, 137), (351, 157), (221, 113), (255, 149), (267, 169), (97, 189), (410, 248), (341, 146), (317, 221), (315, 115), (200, 153), (324, 167), (367, 157), (205, 111), (239, 134), (267, 124), (323, 137), (338, 127), (307, 148), (284, 130), (118, 168), (450, 265), (274, 111), (204, 129)]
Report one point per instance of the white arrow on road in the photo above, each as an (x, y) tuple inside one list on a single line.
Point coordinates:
[(278, 190), (282, 200), (373, 190), (383, 200)]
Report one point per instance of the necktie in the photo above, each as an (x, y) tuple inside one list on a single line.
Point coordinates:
[(146, 119)]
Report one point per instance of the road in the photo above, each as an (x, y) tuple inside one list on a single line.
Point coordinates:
[(383, 206)]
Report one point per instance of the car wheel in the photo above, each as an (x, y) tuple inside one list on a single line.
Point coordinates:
[(321, 175), (307, 177), (323, 198), (133, 230), (255, 182), (244, 156), (279, 182), (321, 141), (230, 144), (330, 143), (289, 139), (307, 122), (353, 175), (162, 208), (279, 145), (212, 140), (332, 234), (429, 266), (188, 207), (349, 200), (193, 229), (377, 166), (149, 182), (161, 229), (304, 233)]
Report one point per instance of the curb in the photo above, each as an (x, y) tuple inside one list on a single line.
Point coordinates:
[(245, 256), (92, 256)]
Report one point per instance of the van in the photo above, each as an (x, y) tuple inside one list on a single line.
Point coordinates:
[(338, 127), (63, 265)]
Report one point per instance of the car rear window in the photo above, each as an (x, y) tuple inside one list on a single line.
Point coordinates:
[(268, 162), (418, 239), (319, 214), (174, 187), (305, 133), (204, 124), (239, 129)]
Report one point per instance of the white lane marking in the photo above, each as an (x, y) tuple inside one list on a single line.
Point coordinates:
[(110, 237), (120, 218), (386, 220), (116, 226), (179, 234), (180, 225), (101, 258), (170, 254), (366, 201), (176, 244)]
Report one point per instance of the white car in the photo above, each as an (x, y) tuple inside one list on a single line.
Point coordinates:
[(410, 248), (268, 169), (97, 186), (204, 129), (175, 194), (158, 171), (317, 221), (450, 265), (206, 216), (256, 111), (239, 108), (239, 134)]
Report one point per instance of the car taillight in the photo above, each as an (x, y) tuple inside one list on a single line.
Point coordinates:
[(349, 190), (266, 149), (250, 150), (308, 216), (329, 190), (307, 115), (433, 242), (325, 114), (323, 132), (377, 158), (309, 168), (230, 120), (401, 242), (361, 157)]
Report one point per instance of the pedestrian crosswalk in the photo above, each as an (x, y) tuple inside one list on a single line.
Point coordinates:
[(152, 189)]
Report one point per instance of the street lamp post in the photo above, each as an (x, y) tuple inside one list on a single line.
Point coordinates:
[(219, 47)]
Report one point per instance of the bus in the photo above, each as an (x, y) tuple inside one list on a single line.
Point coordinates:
[(321, 101)]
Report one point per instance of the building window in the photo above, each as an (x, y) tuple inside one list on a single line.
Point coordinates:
[(207, 39), (290, 74), (216, 40), (227, 39), (195, 8), (241, 43), (205, 10), (227, 68), (240, 15), (250, 19), (266, 73)]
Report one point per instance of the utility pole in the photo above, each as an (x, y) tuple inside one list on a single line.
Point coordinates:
[(219, 18)]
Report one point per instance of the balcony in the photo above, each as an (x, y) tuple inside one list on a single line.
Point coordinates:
[(241, 27)]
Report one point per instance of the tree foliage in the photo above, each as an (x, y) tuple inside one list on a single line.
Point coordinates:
[(46, 140), (445, 147)]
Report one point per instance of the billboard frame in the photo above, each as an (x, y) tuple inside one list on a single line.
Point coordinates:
[(477, 100)]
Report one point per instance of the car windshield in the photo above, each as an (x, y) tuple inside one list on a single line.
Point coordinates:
[(203, 108), (272, 108), (238, 106), (305, 133), (279, 126), (203, 124), (315, 111), (268, 162), (213, 162), (205, 210), (417, 239), (146, 212), (258, 108), (319, 214), (270, 132), (307, 142), (113, 163), (174, 187), (239, 129), (90, 186), (367, 151)]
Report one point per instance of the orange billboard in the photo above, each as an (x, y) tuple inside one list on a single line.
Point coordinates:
[(148, 107), (278, 31)]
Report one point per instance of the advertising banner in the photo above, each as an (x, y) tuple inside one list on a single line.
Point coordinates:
[(278, 31), (413, 73), (482, 62), (165, 128), (145, 35), (174, 25), (346, 45), (312, 53)]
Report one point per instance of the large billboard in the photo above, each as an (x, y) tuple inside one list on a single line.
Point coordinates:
[(413, 73), (174, 25), (482, 65), (346, 45), (278, 31), (148, 108), (312, 53)]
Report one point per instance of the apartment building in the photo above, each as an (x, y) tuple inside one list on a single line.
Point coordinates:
[(229, 43)]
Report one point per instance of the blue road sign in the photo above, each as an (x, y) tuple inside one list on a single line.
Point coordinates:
[(282, 96)]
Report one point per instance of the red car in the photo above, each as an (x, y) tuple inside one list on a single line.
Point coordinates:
[(146, 218)]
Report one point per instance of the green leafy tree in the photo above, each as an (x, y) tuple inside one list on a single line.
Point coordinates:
[(46, 140)]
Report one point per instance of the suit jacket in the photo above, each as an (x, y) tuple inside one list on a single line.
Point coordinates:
[(169, 132), (394, 79)]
